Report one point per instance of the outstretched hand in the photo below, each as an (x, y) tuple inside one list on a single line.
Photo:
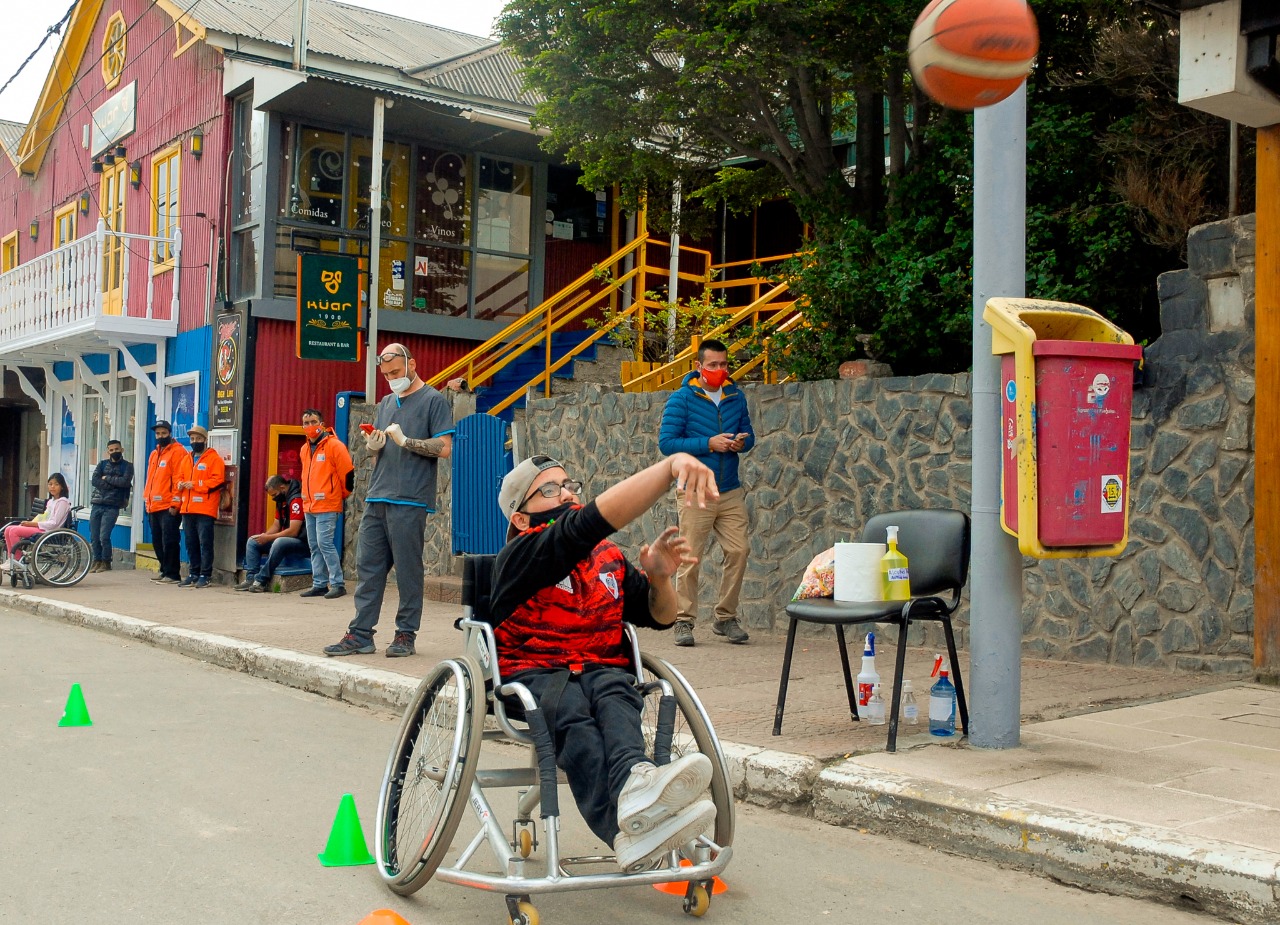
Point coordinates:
[(695, 479), (661, 558)]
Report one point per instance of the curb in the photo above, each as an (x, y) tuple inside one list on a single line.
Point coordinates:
[(1106, 855)]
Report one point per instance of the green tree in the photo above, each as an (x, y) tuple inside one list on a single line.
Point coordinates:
[(645, 92)]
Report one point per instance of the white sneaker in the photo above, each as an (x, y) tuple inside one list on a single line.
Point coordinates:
[(652, 794), (641, 852)]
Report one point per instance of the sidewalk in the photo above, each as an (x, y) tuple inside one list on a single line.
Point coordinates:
[(1152, 784)]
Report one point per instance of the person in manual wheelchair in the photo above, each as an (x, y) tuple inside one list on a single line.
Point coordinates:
[(57, 514), (561, 593)]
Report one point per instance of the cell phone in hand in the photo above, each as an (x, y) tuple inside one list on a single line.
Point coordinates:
[(367, 428)]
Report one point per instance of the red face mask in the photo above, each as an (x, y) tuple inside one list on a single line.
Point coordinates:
[(713, 378), (313, 431)]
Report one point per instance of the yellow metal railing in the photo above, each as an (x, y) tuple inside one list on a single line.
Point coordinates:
[(629, 267)]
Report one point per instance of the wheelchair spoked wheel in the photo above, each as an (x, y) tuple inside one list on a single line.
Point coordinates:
[(429, 774), (61, 558), (693, 731)]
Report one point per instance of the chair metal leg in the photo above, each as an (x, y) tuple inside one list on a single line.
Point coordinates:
[(848, 676), (901, 663), (786, 673), (955, 674)]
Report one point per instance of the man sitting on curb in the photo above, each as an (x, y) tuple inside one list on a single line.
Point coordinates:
[(285, 537), (561, 592)]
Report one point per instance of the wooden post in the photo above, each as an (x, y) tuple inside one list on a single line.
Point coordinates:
[(1266, 519)]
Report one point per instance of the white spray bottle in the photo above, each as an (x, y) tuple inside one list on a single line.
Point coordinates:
[(868, 677)]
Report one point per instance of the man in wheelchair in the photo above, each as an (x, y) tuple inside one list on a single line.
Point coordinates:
[(561, 593)]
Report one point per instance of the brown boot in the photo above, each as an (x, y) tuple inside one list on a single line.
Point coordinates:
[(106, 565), (97, 566)]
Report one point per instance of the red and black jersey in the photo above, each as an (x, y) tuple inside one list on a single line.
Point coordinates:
[(561, 594)]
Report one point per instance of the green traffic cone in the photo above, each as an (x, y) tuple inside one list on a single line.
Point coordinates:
[(346, 847), (75, 713)]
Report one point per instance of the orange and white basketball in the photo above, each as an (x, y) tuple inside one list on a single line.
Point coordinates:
[(971, 53)]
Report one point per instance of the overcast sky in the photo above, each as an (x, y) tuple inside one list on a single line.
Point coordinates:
[(26, 23)]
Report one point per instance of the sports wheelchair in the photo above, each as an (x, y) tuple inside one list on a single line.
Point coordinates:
[(60, 557), (433, 774)]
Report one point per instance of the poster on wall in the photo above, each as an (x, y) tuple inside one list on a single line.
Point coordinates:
[(67, 458), (182, 411), (226, 369)]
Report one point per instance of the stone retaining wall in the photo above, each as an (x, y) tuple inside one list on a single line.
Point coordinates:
[(830, 454)]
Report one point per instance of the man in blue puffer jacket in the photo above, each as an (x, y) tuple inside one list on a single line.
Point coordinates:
[(707, 417)]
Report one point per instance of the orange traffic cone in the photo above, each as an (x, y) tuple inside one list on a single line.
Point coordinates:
[(383, 917), (718, 886)]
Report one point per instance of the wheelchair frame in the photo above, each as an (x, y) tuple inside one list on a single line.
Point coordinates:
[(60, 557), (454, 694)]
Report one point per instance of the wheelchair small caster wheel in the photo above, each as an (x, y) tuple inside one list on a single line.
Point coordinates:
[(697, 900), (524, 843), (521, 912)]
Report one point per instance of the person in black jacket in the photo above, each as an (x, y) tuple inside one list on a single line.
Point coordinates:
[(111, 481)]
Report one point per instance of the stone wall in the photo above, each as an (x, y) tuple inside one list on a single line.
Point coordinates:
[(831, 454)]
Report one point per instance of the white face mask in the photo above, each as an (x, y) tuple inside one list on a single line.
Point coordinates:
[(401, 385)]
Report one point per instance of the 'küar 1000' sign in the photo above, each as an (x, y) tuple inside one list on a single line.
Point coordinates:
[(329, 288)]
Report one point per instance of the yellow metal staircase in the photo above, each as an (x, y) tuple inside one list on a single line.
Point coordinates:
[(621, 284)]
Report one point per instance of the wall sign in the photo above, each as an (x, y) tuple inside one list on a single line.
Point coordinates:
[(226, 368), (329, 288)]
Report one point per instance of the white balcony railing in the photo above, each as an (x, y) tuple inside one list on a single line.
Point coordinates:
[(105, 280)]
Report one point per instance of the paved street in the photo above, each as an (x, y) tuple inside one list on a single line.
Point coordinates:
[(203, 795)]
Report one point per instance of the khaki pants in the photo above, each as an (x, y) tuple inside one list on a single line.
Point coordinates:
[(727, 519)]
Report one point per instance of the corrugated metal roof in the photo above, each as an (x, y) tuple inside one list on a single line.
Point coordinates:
[(10, 134), (340, 30), (490, 73)]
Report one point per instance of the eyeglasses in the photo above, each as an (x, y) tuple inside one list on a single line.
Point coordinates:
[(388, 357), (553, 489)]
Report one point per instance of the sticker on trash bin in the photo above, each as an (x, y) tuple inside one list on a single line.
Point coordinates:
[(1112, 494), (1010, 390)]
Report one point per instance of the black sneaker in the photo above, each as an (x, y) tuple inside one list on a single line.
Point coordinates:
[(337, 591), (731, 630), (258, 588), (401, 646), (350, 645), (315, 592), (246, 585), (684, 633), (187, 582)]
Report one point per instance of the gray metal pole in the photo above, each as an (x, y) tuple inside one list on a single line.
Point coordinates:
[(999, 269), (375, 250), (673, 270)]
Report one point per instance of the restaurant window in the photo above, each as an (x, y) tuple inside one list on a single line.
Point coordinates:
[(247, 160), (455, 235)]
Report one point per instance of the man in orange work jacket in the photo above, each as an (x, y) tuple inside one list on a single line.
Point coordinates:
[(165, 470), (205, 474), (328, 476)]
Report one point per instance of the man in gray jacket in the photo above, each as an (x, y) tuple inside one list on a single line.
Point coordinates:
[(111, 481)]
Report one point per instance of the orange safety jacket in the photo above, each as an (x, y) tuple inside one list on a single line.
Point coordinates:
[(164, 472), (207, 475), (324, 476)]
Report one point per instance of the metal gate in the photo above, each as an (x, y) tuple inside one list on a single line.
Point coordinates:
[(481, 457)]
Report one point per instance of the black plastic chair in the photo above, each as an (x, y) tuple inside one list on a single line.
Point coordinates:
[(936, 544)]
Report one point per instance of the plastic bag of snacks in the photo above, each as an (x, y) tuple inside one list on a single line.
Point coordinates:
[(819, 578)]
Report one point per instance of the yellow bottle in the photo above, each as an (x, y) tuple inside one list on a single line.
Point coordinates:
[(895, 583)]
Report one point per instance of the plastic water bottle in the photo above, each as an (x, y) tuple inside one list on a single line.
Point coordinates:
[(868, 677), (875, 707), (942, 703), (910, 709)]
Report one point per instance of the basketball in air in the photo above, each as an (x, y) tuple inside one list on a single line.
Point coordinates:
[(970, 53)]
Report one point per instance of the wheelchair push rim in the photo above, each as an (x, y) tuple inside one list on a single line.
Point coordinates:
[(693, 732), (60, 558), (429, 774)]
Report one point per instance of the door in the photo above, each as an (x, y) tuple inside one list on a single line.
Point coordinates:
[(481, 457), (115, 179)]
